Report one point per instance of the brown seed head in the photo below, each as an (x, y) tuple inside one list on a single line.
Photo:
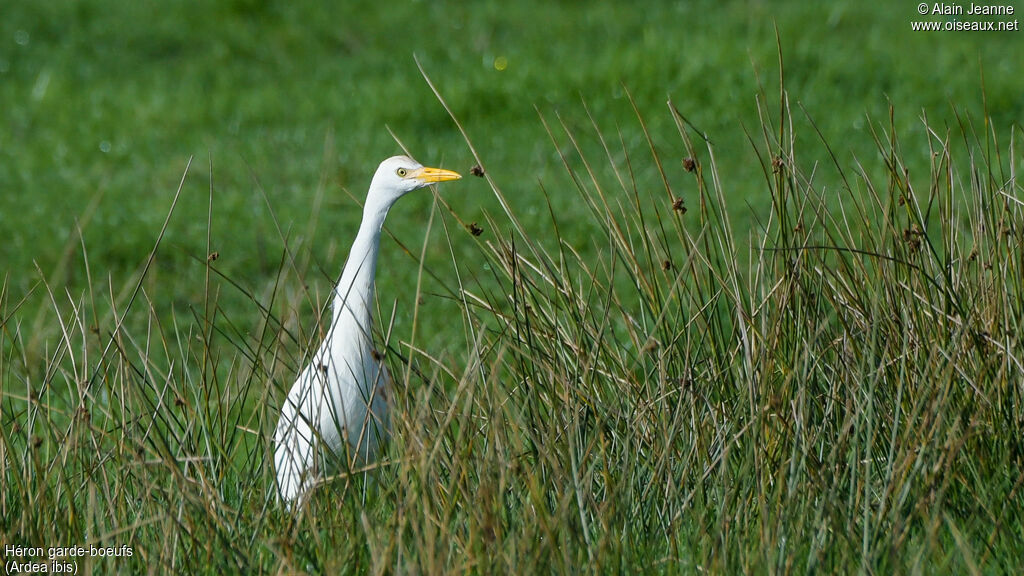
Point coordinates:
[(689, 164), (650, 346), (477, 171)]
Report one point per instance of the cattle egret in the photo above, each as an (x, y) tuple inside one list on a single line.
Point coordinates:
[(338, 404)]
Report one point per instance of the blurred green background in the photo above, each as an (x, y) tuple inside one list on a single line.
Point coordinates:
[(104, 101)]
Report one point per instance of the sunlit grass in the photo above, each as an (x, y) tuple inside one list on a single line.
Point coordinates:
[(838, 390)]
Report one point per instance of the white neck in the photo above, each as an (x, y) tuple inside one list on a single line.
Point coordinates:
[(353, 297)]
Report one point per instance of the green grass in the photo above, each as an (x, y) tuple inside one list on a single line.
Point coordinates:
[(816, 367), (296, 97)]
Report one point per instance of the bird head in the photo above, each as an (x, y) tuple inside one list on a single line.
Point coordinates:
[(399, 175)]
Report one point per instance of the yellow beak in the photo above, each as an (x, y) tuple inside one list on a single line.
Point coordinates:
[(431, 175)]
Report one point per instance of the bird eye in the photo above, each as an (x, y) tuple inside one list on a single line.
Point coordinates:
[(401, 172)]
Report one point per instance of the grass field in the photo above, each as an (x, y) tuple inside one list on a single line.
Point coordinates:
[(802, 355)]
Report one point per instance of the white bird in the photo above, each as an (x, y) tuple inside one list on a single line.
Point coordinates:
[(339, 401)]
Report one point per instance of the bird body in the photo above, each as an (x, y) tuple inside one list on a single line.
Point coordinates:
[(339, 400)]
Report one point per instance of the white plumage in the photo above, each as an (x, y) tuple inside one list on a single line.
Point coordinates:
[(339, 401)]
